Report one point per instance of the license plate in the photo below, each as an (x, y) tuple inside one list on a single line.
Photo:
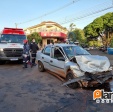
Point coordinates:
[(14, 59)]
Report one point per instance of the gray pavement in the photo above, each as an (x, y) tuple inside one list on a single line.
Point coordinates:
[(28, 90)]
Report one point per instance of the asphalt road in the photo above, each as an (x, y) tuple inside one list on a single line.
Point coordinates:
[(28, 90)]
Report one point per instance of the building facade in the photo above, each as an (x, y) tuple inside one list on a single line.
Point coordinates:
[(49, 31)]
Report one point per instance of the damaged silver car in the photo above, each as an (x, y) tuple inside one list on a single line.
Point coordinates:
[(76, 65)]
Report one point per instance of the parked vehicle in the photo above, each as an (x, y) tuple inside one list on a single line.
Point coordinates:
[(91, 47), (11, 44), (110, 50), (100, 48), (85, 47), (103, 48), (75, 64)]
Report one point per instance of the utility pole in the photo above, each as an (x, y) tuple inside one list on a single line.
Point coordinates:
[(16, 25)]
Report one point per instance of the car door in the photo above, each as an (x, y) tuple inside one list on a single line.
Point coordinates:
[(46, 53), (57, 62)]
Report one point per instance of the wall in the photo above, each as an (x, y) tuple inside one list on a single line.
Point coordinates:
[(48, 28)]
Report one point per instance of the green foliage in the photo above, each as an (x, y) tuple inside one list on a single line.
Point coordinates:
[(108, 20), (111, 44), (88, 30), (90, 43), (72, 36), (79, 35), (100, 24), (76, 34), (35, 35), (94, 43)]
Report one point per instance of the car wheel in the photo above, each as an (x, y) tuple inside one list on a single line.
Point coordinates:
[(2, 62), (69, 77), (40, 66)]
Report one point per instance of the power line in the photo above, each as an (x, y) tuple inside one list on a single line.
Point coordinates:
[(89, 14), (51, 12), (89, 9), (83, 12)]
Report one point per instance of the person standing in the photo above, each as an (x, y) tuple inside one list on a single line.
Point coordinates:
[(33, 49), (26, 54)]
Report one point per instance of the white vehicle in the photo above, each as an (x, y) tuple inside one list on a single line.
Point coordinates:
[(74, 64), (11, 44)]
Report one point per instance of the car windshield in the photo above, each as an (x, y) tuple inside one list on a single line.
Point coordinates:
[(9, 38), (71, 51)]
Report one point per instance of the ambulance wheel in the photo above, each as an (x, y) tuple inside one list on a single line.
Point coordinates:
[(70, 76), (2, 62), (40, 66)]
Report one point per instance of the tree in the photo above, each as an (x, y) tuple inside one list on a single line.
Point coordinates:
[(103, 27), (111, 44), (71, 34), (76, 34), (72, 26), (80, 35), (35, 35)]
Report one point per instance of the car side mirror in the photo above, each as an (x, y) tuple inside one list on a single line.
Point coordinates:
[(61, 58)]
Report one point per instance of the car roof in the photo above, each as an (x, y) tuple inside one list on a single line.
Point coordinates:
[(62, 45)]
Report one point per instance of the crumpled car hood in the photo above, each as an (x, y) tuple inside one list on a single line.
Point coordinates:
[(93, 63)]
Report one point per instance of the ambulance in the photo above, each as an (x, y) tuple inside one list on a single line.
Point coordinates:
[(11, 44)]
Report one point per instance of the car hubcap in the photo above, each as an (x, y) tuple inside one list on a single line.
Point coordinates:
[(40, 66)]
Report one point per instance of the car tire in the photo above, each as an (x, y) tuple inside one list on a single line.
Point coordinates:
[(40, 66), (70, 76), (2, 62)]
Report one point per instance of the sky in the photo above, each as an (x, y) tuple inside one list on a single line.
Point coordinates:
[(79, 12)]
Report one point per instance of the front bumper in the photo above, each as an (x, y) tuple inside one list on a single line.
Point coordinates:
[(11, 58), (99, 77), (92, 79)]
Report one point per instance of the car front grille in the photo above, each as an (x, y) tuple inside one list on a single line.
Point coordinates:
[(13, 52)]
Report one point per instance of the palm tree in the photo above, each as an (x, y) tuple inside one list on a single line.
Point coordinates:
[(72, 26)]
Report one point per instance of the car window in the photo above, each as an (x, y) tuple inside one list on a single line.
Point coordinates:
[(74, 50), (58, 54), (47, 51), (43, 50)]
